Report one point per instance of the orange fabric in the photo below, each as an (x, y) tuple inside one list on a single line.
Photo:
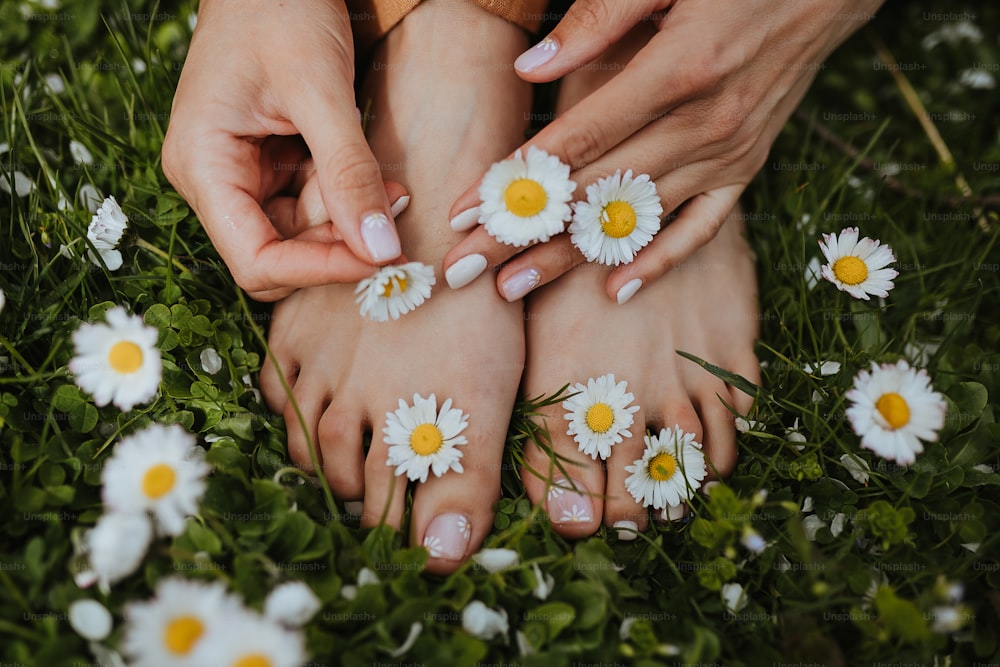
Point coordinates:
[(372, 19)]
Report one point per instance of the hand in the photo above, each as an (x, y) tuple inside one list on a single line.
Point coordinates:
[(697, 108), (258, 72)]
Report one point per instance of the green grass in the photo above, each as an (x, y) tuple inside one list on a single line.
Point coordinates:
[(827, 171)]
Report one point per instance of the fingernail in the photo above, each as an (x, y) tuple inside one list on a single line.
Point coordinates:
[(448, 536), (627, 530), (465, 270), (520, 284), (566, 506), (628, 290), (399, 205), (380, 237), (465, 220), (537, 55), (674, 513)]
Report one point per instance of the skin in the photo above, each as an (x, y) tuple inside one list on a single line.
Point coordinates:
[(704, 99)]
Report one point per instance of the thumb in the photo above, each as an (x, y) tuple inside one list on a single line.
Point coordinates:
[(587, 30), (350, 179)]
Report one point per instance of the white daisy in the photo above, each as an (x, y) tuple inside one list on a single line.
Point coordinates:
[(105, 232), (115, 547), (292, 604), (422, 439), (175, 626), (857, 267), (670, 470), (159, 470), (117, 362), (394, 291), (621, 215), (256, 642), (893, 409), (526, 199), (599, 415)]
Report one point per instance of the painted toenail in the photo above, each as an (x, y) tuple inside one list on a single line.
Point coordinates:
[(353, 508), (380, 237), (448, 536), (521, 283), (566, 506), (537, 55), (399, 205), (628, 290), (465, 270), (674, 513), (465, 220), (627, 530), (707, 486)]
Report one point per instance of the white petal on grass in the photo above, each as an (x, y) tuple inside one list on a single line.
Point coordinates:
[(292, 604), (3, 300), (90, 619), (116, 546), (753, 541), (411, 639), (80, 153), (496, 560), (482, 622), (22, 184), (977, 79), (90, 197), (211, 362), (823, 368), (857, 467), (544, 582), (811, 525), (733, 597)]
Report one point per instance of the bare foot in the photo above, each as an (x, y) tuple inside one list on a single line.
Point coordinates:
[(442, 111), (706, 306)]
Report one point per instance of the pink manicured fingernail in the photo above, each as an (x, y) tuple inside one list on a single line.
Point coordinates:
[(520, 284), (465, 270), (537, 55), (399, 205), (380, 237), (448, 536), (465, 220), (628, 290), (566, 506)]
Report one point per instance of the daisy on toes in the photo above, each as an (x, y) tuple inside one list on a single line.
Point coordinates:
[(669, 472), (599, 415), (423, 440)]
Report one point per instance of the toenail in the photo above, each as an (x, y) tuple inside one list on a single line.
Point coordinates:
[(537, 55), (380, 237), (627, 530), (521, 283), (628, 290), (674, 513), (566, 506), (399, 205), (465, 220), (353, 508), (448, 536), (465, 270), (708, 486)]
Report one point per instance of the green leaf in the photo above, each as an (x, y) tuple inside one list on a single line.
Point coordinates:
[(555, 615), (157, 316), (239, 425), (83, 418), (67, 397), (901, 617), (202, 538)]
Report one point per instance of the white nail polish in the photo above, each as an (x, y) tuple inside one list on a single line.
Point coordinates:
[(674, 512), (628, 290), (627, 530), (707, 486), (399, 206), (465, 270), (465, 220)]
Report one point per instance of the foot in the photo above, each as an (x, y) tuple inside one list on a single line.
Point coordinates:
[(706, 306), (441, 111)]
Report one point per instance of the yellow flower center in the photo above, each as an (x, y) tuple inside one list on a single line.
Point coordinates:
[(125, 357), (398, 282), (850, 270), (158, 480), (525, 198), (426, 439), (600, 417), (662, 467), (893, 409), (253, 660), (618, 219), (182, 633)]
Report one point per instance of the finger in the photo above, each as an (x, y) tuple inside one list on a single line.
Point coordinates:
[(471, 257), (587, 30), (537, 266), (697, 223), (311, 211), (350, 180)]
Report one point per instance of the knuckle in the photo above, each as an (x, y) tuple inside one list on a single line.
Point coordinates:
[(589, 17), (583, 144), (352, 169)]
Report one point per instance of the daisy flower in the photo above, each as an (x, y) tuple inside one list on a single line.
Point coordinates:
[(857, 267), (599, 415), (117, 362), (394, 291), (159, 470), (893, 409), (670, 470), (526, 198), (422, 439), (115, 547), (256, 642), (182, 618), (105, 232), (621, 215)]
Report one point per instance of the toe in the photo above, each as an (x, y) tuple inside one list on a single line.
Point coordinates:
[(310, 399), (385, 493), (621, 511), (340, 435), (271, 385), (569, 484), (720, 432)]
